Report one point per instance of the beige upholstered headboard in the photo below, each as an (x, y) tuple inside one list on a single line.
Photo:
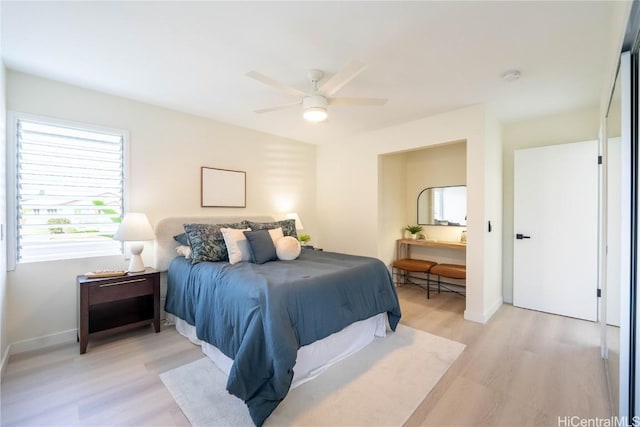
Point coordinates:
[(171, 226)]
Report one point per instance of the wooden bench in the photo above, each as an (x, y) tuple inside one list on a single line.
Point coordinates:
[(451, 271), (402, 268)]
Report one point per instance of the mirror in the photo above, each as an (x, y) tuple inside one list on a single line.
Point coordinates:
[(616, 201), (443, 206)]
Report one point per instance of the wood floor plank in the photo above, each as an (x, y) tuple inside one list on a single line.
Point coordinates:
[(522, 368)]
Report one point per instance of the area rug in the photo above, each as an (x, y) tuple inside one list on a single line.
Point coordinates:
[(379, 386)]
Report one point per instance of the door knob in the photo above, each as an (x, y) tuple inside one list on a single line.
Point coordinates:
[(522, 236)]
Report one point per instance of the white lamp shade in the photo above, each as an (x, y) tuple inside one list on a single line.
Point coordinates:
[(134, 227), (295, 216)]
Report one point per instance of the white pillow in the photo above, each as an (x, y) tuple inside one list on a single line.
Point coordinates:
[(237, 245), (184, 251), (276, 234), (288, 248)]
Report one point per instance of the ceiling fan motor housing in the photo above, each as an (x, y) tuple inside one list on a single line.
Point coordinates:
[(314, 101)]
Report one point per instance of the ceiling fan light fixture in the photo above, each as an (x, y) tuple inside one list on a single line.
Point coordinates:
[(315, 108), (315, 114)]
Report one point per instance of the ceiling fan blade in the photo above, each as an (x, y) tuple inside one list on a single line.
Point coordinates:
[(357, 101), (277, 107), (269, 81), (342, 77)]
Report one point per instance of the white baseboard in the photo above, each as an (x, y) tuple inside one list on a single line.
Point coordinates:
[(483, 317), (43, 342), (53, 339), (474, 316), (494, 307)]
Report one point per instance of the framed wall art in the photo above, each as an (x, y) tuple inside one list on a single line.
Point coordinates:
[(222, 188)]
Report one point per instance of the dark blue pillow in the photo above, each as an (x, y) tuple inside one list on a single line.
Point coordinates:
[(182, 239), (261, 246)]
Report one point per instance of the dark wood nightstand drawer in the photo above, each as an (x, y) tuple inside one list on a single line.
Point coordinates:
[(115, 290)]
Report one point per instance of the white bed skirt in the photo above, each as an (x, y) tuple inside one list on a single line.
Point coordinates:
[(312, 359)]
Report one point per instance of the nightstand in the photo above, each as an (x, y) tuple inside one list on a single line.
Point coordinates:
[(110, 305)]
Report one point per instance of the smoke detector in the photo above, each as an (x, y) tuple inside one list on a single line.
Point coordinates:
[(511, 75)]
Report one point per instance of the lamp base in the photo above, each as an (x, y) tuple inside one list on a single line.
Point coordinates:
[(136, 265)]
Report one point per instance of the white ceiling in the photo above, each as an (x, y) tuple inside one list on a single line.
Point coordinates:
[(425, 57)]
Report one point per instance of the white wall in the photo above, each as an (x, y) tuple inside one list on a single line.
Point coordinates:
[(392, 197), (167, 149), (493, 205), (348, 181), (558, 129)]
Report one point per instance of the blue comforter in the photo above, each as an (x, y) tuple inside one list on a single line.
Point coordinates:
[(259, 315)]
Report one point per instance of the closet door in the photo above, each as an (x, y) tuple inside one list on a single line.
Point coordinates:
[(556, 229), (617, 224)]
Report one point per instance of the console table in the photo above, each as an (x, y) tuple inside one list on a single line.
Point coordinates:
[(403, 246)]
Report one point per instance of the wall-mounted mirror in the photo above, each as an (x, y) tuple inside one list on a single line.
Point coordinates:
[(443, 206)]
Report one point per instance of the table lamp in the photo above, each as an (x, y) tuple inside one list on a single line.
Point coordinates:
[(135, 227)]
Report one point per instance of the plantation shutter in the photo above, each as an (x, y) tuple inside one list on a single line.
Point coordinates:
[(69, 191)]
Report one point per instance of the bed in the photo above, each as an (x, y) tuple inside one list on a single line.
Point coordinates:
[(275, 325)]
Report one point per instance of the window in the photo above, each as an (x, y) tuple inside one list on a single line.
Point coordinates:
[(69, 189)]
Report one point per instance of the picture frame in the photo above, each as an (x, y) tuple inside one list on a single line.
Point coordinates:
[(222, 188)]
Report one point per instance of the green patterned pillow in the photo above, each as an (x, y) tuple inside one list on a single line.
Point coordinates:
[(288, 226), (207, 242)]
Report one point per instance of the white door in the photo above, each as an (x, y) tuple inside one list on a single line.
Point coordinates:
[(555, 251)]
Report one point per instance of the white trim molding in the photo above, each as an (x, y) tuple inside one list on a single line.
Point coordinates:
[(45, 341), (484, 317)]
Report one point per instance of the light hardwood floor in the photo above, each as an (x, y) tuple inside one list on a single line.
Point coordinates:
[(521, 368)]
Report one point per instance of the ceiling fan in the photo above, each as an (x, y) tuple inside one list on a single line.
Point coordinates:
[(315, 103)]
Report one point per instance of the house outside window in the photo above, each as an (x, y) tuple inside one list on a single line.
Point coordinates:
[(68, 189)]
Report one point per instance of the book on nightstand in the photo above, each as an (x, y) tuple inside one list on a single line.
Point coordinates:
[(100, 274)]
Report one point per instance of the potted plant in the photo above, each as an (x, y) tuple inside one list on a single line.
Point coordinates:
[(413, 230), (304, 238)]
